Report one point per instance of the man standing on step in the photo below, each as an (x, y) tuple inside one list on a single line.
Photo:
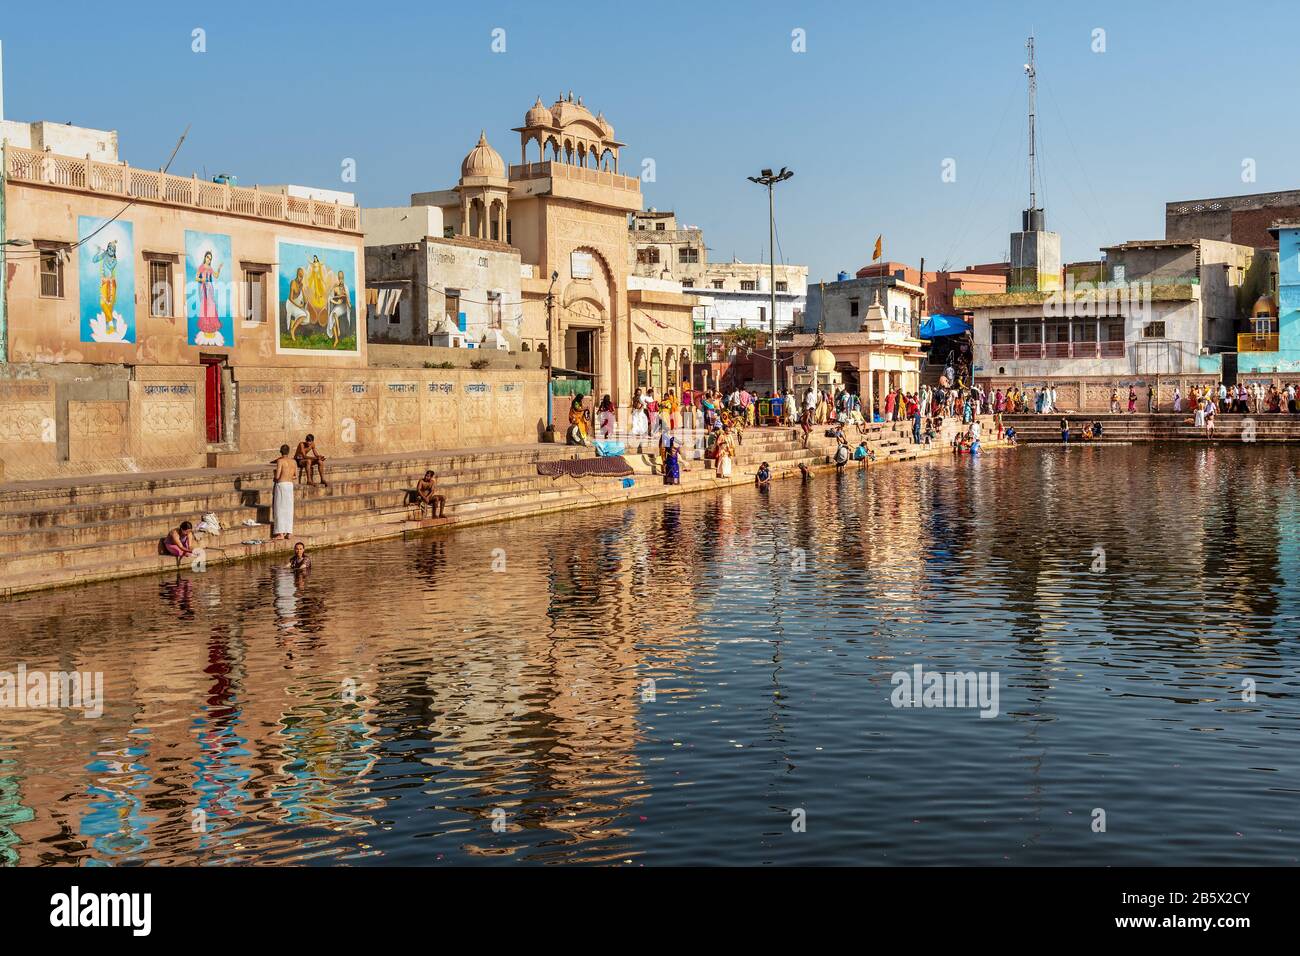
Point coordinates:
[(286, 466)]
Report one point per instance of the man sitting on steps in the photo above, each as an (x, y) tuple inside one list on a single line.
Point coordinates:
[(307, 456), (427, 492)]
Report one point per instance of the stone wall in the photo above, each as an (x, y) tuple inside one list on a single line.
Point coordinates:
[(1093, 394), (66, 420)]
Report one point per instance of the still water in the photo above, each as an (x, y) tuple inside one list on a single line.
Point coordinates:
[(706, 680)]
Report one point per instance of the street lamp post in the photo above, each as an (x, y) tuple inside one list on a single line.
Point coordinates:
[(769, 179), (549, 434)]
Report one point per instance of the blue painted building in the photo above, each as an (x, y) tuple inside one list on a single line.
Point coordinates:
[(1287, 357)]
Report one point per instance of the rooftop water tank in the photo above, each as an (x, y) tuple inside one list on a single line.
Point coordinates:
[(842, 277)]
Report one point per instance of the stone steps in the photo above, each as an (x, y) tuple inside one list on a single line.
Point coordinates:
[(1161, 427), (109, 527)]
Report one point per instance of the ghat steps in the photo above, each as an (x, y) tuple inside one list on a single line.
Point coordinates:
[(53, 533), (1159, 427)]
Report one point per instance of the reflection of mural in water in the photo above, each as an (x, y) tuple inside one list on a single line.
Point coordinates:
[(525, 691), (106, 263), (114, 819), (12, 813), (317, 288)]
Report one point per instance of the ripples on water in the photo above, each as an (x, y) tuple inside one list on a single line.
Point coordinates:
[(663, 684)]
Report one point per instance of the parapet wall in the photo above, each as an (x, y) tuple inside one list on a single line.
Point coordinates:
[(68, 420)]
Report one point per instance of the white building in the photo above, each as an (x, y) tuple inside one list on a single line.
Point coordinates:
[(426, 288)]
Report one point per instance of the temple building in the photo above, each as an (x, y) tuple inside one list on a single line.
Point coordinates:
[(563, 211), (881, 354)]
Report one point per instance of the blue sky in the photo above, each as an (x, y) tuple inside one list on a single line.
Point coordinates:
[(286, 91)]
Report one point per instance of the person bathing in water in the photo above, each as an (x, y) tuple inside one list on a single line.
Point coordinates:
[(300, 561)]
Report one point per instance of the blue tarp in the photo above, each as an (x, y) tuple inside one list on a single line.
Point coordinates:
[(937, 325)]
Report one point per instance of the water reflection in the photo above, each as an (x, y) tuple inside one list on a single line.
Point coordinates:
[(666, 683)]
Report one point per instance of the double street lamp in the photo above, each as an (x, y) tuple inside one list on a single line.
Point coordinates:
[(769, 179)]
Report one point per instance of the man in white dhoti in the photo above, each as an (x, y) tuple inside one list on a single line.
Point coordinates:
[(282, 494)]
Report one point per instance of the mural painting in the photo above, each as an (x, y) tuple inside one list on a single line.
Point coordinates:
[(209, 290), (106, 265), (317, 294)]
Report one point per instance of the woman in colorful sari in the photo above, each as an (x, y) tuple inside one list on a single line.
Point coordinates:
[(1178, 399), (672, 464), (710, 408), (607, 420), (725, 455), (577, 422), (1132, 400)]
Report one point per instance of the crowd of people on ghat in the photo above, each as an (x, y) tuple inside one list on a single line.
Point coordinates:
[(716, 420)]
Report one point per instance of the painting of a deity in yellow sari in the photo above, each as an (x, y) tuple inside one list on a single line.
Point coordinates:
[(317, 287), (107, 284)]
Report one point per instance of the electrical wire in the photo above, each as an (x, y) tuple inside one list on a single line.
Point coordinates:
[(131, 202)]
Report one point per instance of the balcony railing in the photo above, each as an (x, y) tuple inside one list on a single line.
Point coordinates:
[(1257, 342), (1058, 350), (115, 179)]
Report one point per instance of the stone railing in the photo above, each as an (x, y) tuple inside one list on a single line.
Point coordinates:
[(597, 177), (116, 179)]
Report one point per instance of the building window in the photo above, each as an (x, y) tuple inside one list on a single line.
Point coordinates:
[(717, 283), (762, 317), (783, 287), (453, 311), (659, 227), (509, 232), (853, 308), (494, 309), (747, 285), (160, 288), (254, 296), (688, 283), (1153, 330), (688, 254), (51, 274), (647, 255), (395, 317)]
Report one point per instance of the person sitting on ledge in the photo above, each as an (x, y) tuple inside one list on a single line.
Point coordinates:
[(427, 491), (763, 477), (307, 456), (179, 542)]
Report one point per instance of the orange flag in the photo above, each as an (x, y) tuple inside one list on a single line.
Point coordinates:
[(876, 255)]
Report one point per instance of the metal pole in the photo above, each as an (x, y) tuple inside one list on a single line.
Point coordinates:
[(550, 364), (4, 268), (771, 254)]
